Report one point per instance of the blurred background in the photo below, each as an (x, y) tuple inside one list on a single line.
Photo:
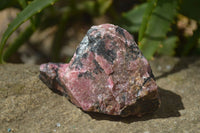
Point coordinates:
[(51, 31)]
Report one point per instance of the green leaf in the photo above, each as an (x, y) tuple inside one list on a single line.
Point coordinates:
[(103, 5), (158, 26), (168, 46), (58, 37), (22, 3), (150, 7), (33, 8), (21, 39), (149, 48), (88, 6), (133, 18)]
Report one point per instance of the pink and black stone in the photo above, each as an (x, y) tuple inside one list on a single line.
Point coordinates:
[(107, 74)]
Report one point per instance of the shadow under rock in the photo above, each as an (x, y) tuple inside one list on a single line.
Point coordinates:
[(171, 103)]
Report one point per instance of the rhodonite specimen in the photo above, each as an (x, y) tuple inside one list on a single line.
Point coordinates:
[(107, 74)]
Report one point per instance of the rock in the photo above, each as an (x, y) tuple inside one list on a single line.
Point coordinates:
[(28, 106), (107, 74)]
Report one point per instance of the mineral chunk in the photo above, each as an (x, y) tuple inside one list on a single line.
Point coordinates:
[(107, 74)]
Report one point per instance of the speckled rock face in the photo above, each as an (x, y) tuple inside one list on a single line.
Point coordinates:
[(107, 74)]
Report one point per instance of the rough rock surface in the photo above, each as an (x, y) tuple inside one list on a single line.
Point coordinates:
[(28, 106), (107, 74)]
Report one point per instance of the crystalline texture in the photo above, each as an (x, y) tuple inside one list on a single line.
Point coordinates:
[(107, 74)]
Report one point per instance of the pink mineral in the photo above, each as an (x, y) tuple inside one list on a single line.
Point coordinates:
[(107, 74)]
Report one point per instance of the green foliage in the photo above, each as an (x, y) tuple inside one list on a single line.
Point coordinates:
[(154, 22), (18, 42), (158, 25), (169, 45), (156, 30), (146, 18), (103, 5), (157, 18), (95, 8), (134, 18), (22, 3), (34, 7)]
